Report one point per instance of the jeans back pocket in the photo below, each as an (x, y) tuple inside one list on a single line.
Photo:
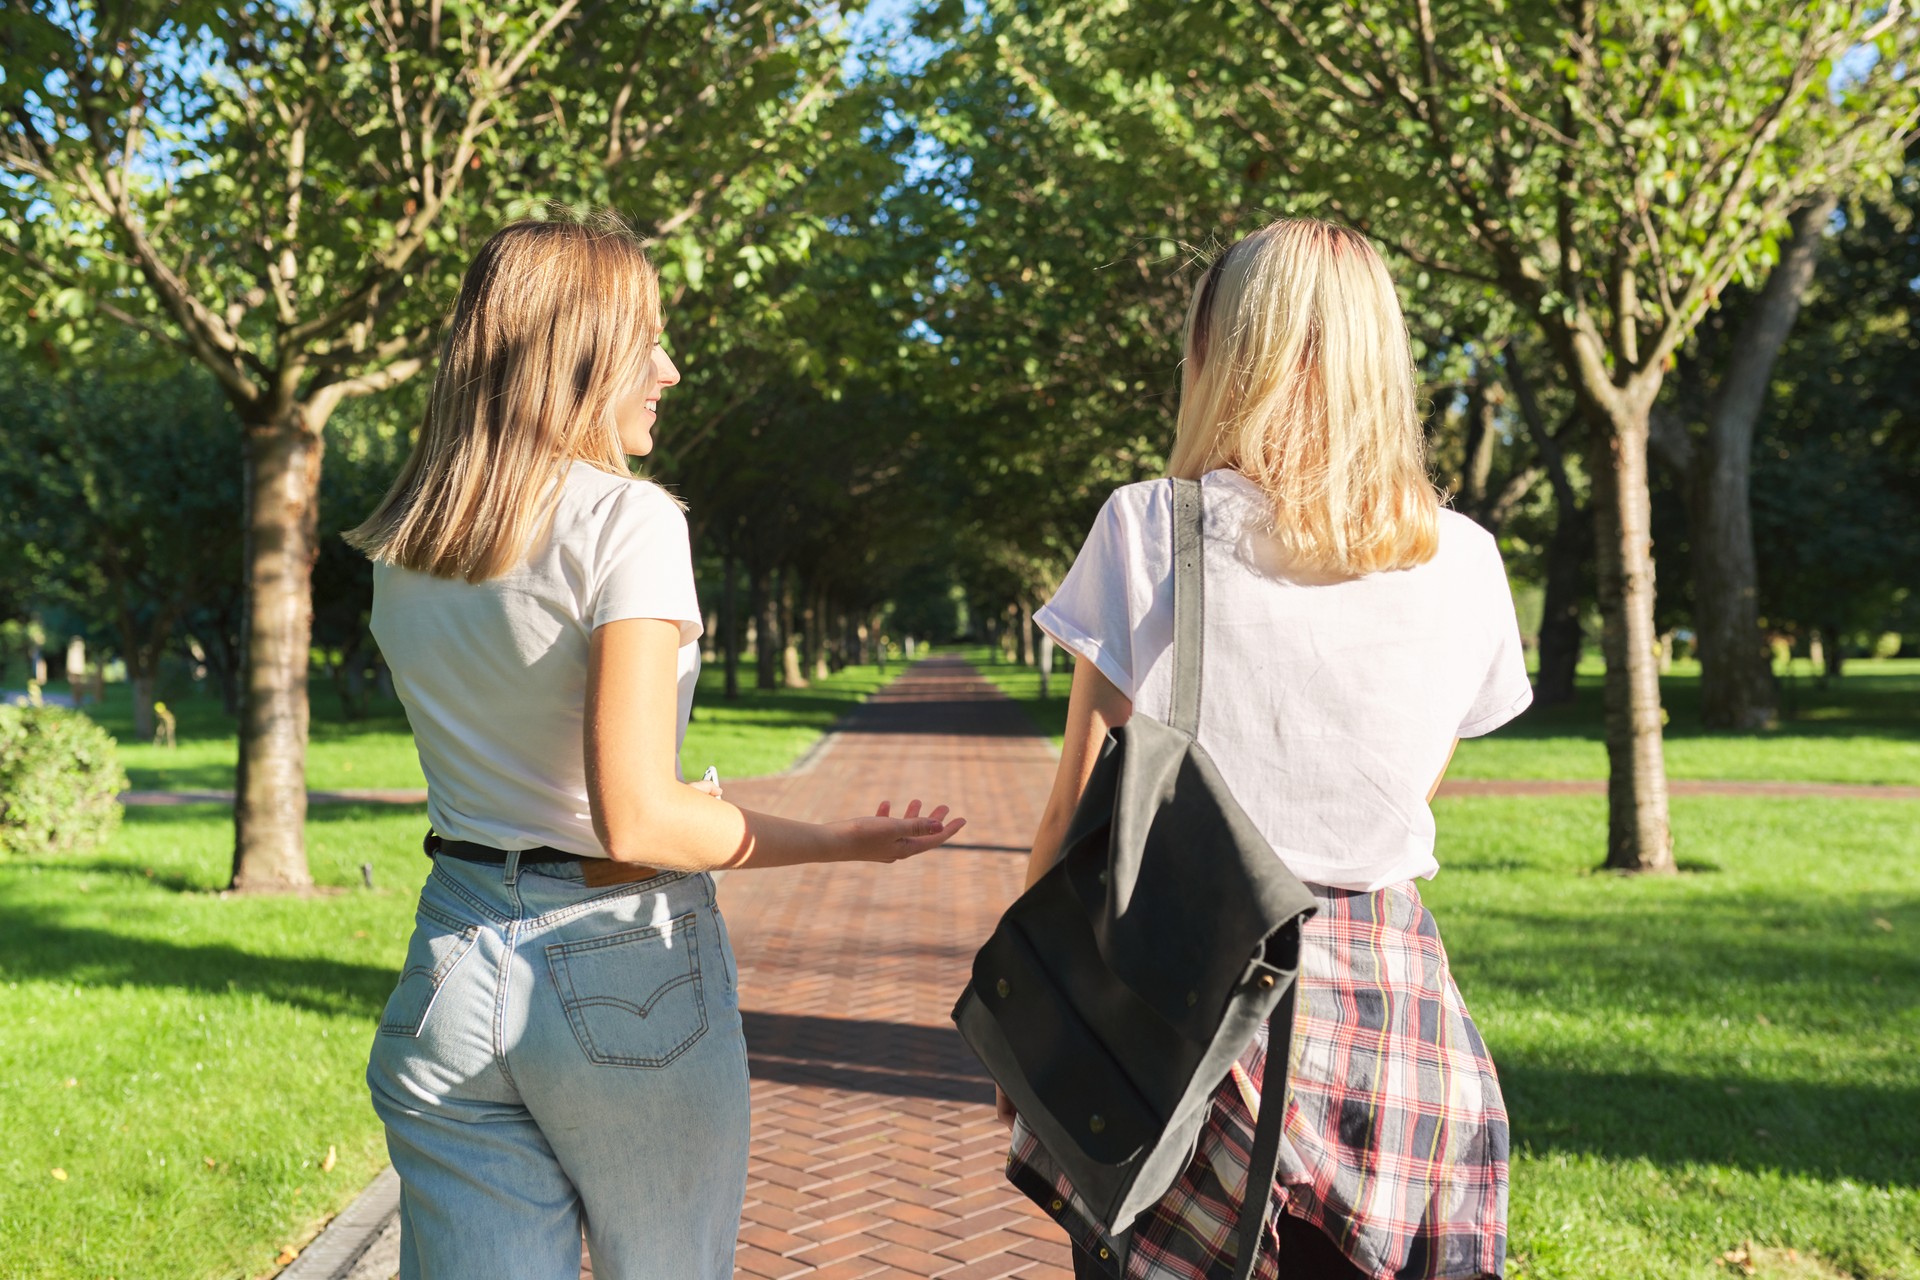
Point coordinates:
[(439, 942), (633, 998)]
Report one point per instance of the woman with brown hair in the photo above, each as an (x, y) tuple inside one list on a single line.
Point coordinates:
[(563, 1052), (1355, 631)]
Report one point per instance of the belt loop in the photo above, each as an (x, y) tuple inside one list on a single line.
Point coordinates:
[(513, 866)]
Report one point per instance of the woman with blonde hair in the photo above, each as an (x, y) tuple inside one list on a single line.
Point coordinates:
[(563, 1053), (1355, 631)]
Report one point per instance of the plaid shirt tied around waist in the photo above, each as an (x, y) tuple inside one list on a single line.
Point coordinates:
[(1396, 1138)]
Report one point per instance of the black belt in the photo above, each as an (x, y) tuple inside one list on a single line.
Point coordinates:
[(465, 850), (598, 873)]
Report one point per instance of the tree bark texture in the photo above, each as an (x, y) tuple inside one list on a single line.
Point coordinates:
[(1834, 653), (766, 642), (818, 640), (1476, 465), (1736, 667), (282, 460), (1561, 635), (791, 674), (729, 625), (1569, 548), (1639, 837), (141, 686)]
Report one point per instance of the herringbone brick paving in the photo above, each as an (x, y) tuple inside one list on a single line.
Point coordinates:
[(875, 1148)]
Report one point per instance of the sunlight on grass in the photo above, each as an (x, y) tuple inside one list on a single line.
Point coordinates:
[(1861, 728), (1691, 1062), (1698, 1061), (760, 732)]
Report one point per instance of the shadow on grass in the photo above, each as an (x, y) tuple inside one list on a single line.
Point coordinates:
[(1823, 1130), (199, 814), (1883, 705), (1699, 987), (1816, 964), (33, 947), (201, 777)]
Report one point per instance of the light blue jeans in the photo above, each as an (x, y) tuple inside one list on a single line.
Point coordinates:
[(559, 1058)]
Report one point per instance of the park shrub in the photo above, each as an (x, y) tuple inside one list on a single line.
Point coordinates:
[(60, 780), (1886, 644)]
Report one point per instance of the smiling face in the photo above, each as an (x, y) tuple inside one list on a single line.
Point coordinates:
[(635, 409)]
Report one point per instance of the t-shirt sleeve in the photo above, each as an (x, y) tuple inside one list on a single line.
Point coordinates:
[(1504, 689), (645, 563), (1089, 615)]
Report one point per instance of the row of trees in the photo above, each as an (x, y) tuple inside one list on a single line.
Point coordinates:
[(1571, 189), (927, 286)]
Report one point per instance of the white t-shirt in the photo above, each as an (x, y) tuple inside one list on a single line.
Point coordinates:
[(494, 674), (1328, 706)]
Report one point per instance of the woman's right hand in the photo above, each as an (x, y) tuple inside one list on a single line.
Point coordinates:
[(884, 838)]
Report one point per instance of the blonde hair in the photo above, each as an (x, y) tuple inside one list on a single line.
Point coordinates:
[(554, 321), (1298, 374)]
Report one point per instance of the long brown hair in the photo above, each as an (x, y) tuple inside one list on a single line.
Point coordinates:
[(1299, 375), (554, 320)]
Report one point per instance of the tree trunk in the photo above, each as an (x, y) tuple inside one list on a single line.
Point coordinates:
[(1835, 653), (282, 460), (1568, 550), (765, 645), (809, 633), (1639, 837), (1026, 633), (76, 668), (790, 673), (730, 624), (817, 627), (141, 685), (1476, 464), (349, 681), (220, 650), (1736, 673)]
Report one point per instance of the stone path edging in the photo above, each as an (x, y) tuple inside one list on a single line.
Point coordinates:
[(361, 1243)]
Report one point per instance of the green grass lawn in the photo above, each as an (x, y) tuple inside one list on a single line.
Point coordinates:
[(1697, 1061), (188, 1060), (757, 733), (1863, 727), (1691, 1062)]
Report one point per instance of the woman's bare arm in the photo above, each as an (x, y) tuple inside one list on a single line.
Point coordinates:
[(1094, 706), (643, 813)]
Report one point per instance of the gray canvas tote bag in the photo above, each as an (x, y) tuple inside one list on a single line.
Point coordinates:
[(1116, 993)]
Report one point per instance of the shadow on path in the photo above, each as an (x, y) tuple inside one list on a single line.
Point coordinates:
[(890, 1058)]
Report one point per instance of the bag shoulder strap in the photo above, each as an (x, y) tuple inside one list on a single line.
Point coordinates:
[(1189, 605), (1263, 1165)]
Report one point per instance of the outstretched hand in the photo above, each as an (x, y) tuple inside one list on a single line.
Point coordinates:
[(885, 838)]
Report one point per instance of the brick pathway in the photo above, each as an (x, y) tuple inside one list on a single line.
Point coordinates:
[(875, 1149)]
